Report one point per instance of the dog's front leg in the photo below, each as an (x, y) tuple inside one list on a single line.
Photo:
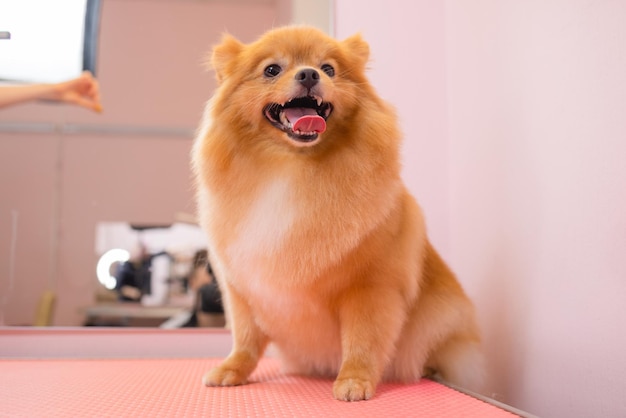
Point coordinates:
[(368, 335), (249, 343)]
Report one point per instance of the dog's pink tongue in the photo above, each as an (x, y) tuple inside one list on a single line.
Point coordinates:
[(305, 120)]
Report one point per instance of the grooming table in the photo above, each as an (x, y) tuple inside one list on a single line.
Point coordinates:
[(172, 387)]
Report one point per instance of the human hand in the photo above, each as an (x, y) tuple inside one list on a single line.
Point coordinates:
[(83, 91)]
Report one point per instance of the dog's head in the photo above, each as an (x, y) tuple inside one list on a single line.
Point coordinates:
[(294, 82)]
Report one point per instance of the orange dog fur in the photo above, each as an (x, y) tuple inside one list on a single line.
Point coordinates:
[(317, 245)]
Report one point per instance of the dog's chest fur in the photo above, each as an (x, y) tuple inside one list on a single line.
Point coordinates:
[(267, 269), (259, 258), (283, 236), (265, 224)]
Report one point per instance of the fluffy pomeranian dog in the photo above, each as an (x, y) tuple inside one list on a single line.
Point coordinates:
[(317, 245)]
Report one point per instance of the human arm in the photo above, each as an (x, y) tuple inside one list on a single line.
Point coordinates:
[(82, 91)]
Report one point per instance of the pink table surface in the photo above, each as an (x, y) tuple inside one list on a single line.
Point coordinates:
[(173, 388)]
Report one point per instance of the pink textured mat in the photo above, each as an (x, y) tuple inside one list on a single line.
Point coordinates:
[(173, 388)]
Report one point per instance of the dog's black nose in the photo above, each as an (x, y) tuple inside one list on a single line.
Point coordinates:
[(308, 77)]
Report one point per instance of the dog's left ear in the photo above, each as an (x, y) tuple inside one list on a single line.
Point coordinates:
[(358, 48), (223, 56)]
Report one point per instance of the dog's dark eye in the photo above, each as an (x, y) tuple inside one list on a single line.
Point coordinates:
[(272, 70), (329, 70)]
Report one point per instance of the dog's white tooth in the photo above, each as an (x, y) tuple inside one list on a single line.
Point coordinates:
[(319, 101), (284, 120)]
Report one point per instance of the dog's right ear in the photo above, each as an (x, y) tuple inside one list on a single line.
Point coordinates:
[(223, 56)]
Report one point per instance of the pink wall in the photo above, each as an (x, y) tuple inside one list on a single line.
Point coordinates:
[(537, 100), (61, 185), (531, 161)]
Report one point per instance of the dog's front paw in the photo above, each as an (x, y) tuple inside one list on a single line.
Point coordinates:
[(353, 389), (224, 376)]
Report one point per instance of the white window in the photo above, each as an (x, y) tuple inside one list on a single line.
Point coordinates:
[(44, 41)]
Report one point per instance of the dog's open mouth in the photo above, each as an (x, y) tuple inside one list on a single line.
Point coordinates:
[(302, 118)]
